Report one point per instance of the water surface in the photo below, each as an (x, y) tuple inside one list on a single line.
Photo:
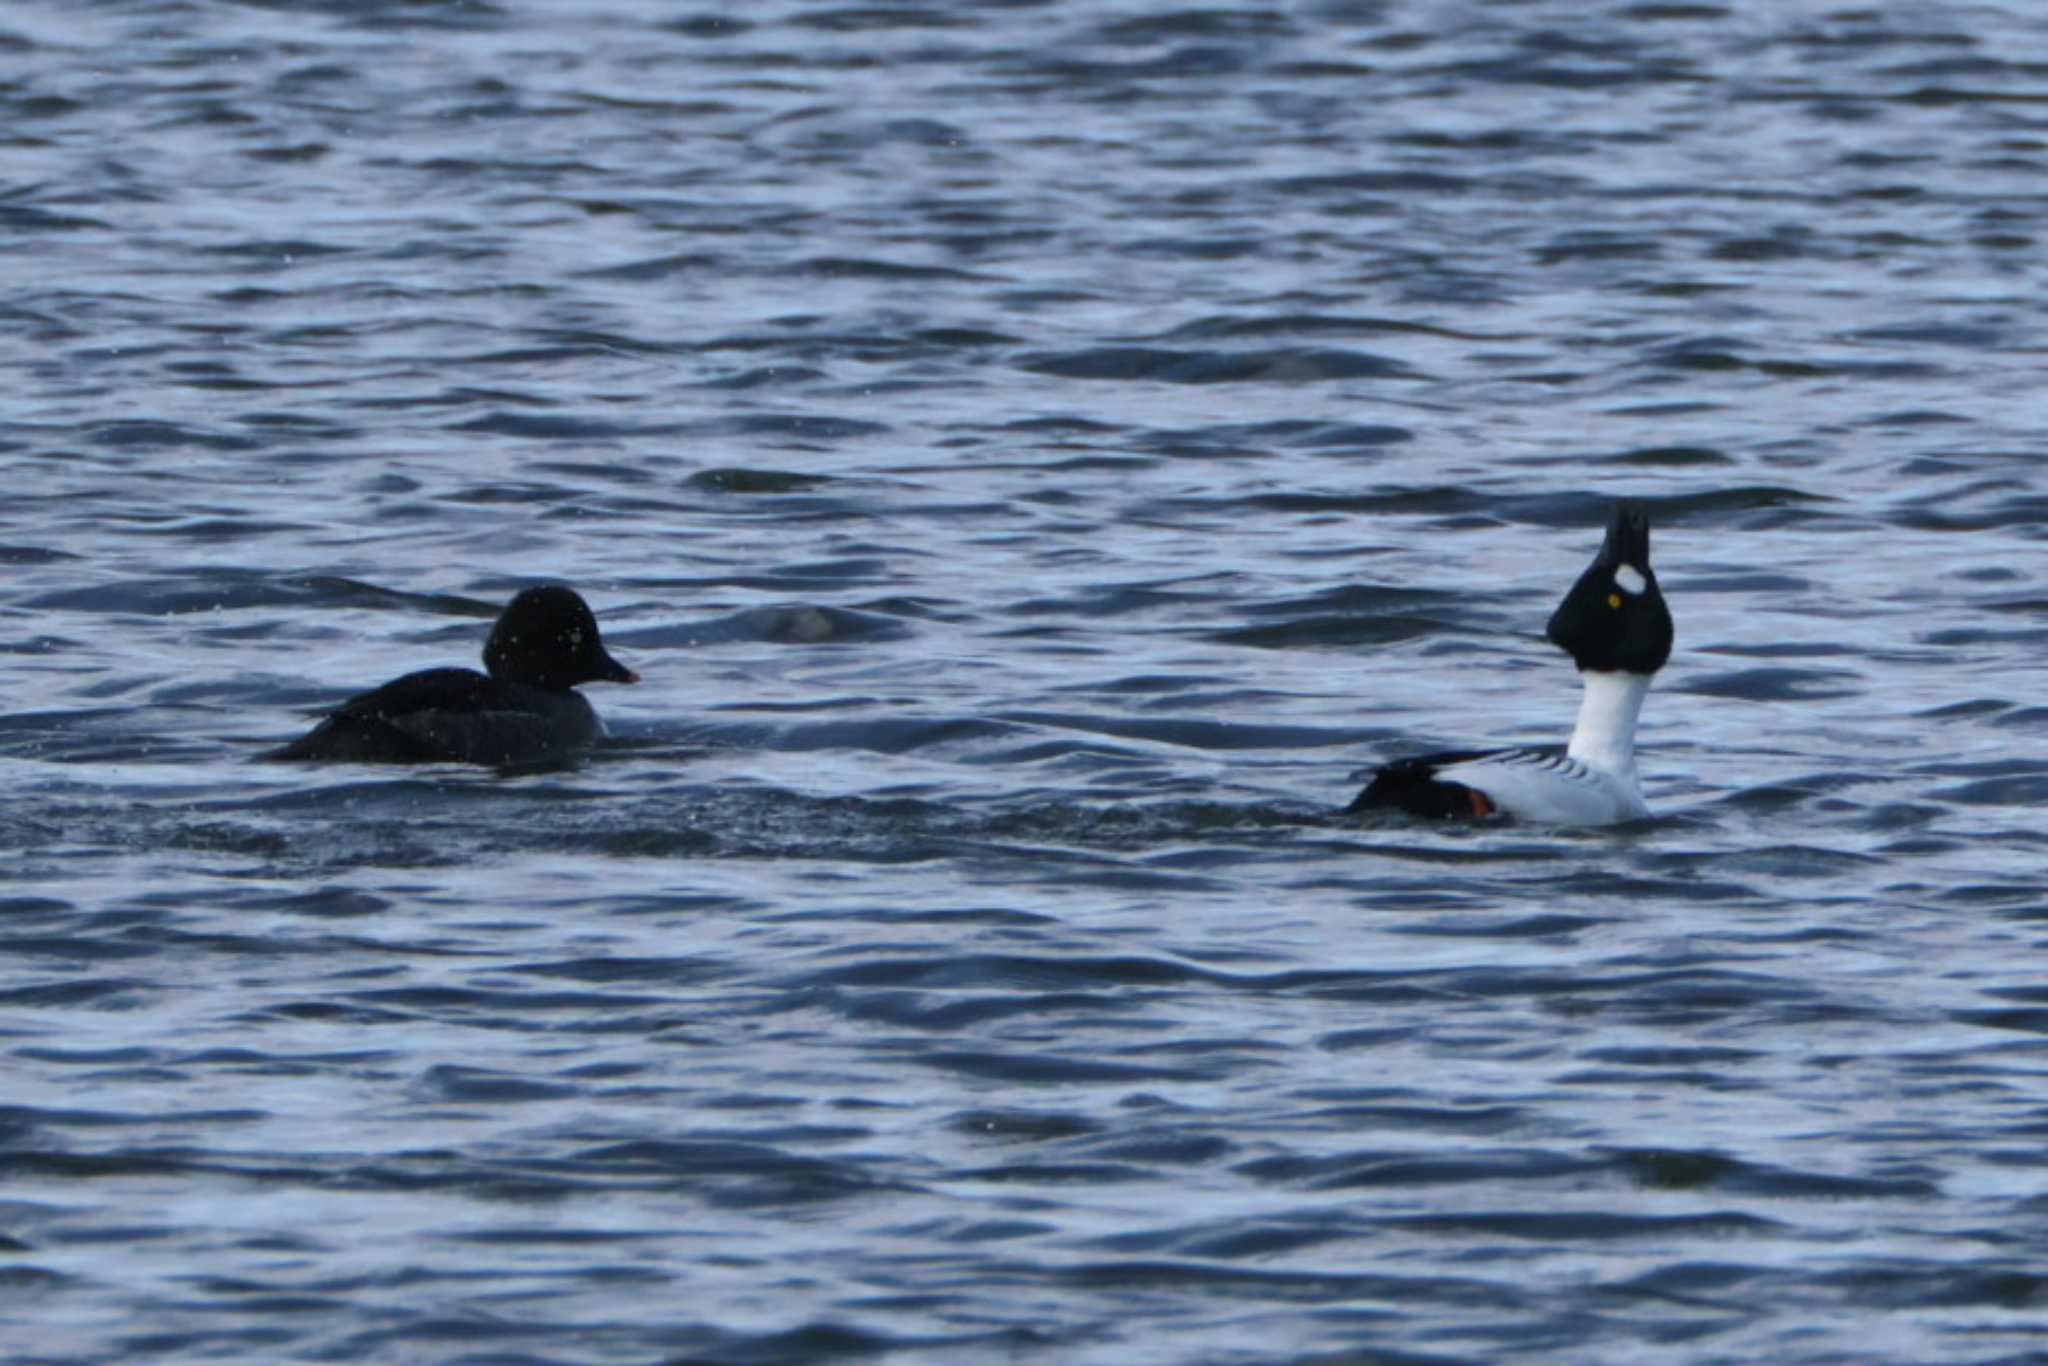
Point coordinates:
[(1036, 456)]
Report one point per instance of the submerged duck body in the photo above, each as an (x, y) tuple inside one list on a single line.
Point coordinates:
[(1616, 627), (524, 710)]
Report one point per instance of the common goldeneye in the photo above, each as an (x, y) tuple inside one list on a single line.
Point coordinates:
[(525, 710), (1616, 628)]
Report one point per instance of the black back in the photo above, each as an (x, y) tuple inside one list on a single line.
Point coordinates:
[(367, 728), (1411, 785)]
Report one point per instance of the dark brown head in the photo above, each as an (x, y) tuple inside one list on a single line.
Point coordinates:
[(547, 637)]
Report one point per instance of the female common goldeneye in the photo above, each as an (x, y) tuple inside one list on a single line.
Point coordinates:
[(1616, 628), (525, 710)]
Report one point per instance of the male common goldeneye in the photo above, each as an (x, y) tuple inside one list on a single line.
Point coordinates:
[(1616, 628), (526, 710)]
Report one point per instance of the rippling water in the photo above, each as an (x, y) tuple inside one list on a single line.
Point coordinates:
[(1036, 454)]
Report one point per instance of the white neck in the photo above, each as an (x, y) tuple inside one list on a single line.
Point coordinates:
[(1605, 737)]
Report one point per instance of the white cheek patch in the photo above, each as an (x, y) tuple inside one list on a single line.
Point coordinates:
[(1630, 580)]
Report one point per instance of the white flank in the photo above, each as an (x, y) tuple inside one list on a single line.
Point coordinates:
[(1594, 783)]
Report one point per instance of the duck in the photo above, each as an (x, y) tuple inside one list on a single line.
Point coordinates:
[(524, 709), (1616, 627)]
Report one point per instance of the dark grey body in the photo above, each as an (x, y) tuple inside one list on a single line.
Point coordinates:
[(526, 710), (452, 716)]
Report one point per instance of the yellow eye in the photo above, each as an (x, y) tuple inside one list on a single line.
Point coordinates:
[(1614, 599)]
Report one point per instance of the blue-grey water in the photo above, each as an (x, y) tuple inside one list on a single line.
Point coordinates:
[(1036, 454)]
